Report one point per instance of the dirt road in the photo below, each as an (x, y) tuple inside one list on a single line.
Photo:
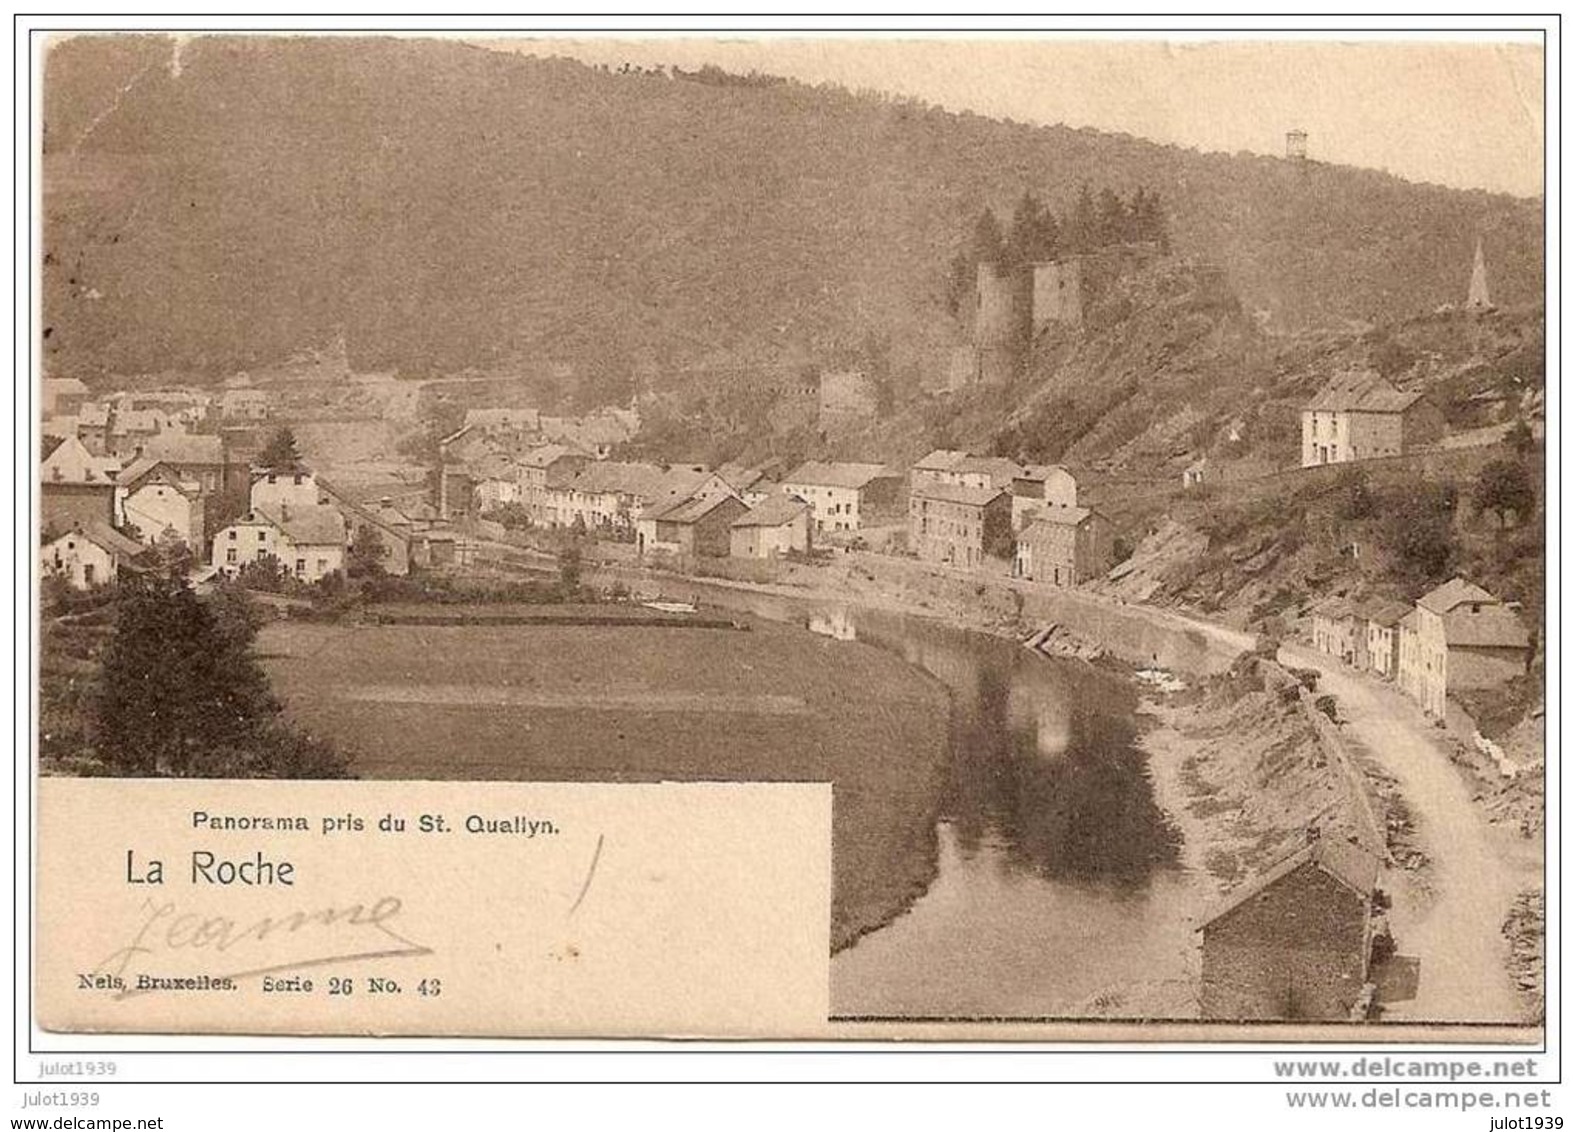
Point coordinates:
[(1450, 917)]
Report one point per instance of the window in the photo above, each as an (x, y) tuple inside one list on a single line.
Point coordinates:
[(232, 534), (298, 479), (231, 555), (87, 573), (262, 536), (300, 566)]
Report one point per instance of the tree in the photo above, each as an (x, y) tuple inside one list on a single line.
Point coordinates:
[(1148, 219), (171, 685), (1081, 232), (1112, 219), (988, 243), (280, 453), (1505, 488), (1033, 233), (1418, 531), (569, 569), (364, 558)]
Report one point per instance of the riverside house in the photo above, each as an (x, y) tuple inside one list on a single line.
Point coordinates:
[(1065, 546), (776, 526), (959, 526), (1038, 488), (844, 496), (1294, 944), (700, 525), (1459, 637)]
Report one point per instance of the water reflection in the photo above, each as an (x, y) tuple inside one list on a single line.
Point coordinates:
[(1057, 882)]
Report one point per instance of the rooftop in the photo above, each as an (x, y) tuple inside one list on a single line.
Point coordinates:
[(1362, 393), (1350, 864), (833, 474), (772, 511), (1494, 626), (308, 525), (955, 493), (1455, 592)]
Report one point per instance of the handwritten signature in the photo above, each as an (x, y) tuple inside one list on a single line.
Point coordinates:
[(337, 934)]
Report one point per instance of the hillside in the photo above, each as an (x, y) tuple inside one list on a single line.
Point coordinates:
[(446, 207)]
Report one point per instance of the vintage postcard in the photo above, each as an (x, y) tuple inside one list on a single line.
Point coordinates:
[(790, 537)]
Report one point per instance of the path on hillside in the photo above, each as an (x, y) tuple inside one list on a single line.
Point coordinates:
[(1453, 924)]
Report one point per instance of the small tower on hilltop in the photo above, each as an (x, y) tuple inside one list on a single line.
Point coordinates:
[(1477, 297), (1296, 145)]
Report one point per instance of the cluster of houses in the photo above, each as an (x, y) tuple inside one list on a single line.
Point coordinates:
[(964, 510), (1456, 637), (133, 470)]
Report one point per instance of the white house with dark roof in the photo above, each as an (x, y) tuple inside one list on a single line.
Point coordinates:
[(1360, 416), (1459, 637), (308, 542), (163, 507), (844, 495), (89, 555)]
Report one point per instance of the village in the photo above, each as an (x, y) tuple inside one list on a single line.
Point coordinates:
[(128, 471)]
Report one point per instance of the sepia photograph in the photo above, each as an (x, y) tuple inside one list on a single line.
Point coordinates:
[(1047, 533)]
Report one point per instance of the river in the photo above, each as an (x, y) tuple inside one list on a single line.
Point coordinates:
[(1057, 891)]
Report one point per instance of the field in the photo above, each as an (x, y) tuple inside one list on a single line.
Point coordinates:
[(629, 704)]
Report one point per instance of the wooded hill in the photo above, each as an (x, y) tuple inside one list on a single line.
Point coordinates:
[(447, 206)]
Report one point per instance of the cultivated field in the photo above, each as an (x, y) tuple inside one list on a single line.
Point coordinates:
[(628, 704)]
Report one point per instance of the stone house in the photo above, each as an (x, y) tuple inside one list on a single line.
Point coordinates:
[(1383, 636), (308, 542), (546, 466), (395, 532), (844, 496), (164, 507), (1296, 943), (936, 467), (1065, 546), (701, 525), (90, 555), (1459, 637), (777, 525), (273, 489), (1360, 416), (77, 488), (1339, 631), (1041, 487), (959, 526)]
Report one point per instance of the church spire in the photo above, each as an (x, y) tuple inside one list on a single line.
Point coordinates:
[(1477, 298)]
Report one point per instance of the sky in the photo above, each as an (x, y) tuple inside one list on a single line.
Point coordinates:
[(1463, 114)]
